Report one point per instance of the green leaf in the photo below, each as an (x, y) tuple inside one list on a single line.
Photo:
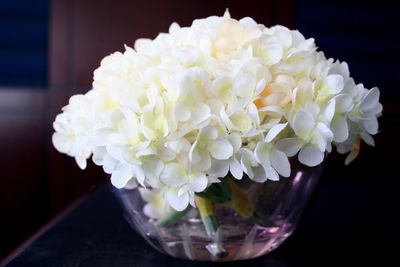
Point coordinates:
[(217, 193), (262, 220)]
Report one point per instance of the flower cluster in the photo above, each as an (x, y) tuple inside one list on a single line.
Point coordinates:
[(180, 112)]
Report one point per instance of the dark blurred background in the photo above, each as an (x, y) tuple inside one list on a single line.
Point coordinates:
[(49, 49)]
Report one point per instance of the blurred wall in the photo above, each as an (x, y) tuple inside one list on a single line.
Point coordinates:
[(23, 43), (23, 107)]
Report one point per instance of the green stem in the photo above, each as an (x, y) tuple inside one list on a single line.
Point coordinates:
[(207, 214), (206, 210)]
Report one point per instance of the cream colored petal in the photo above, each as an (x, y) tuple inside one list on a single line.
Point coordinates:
[(197, 182), (303, 123), (236, 169), (179, 203), (280, 162), (311, 156), (274, 131), (61, 142), (371, 125), (290, 146), (121, 175), (220, 149), (219, 168), (173, 174), (340, 129), (371, 99)]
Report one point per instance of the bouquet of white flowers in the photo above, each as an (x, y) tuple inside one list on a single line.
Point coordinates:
[(220, 98)]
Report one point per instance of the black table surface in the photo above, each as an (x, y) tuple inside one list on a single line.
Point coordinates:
[(336, 228)]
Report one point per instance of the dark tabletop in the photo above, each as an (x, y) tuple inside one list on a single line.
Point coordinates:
[(345, 222)]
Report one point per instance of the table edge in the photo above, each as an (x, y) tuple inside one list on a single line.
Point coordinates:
[(57, 218)]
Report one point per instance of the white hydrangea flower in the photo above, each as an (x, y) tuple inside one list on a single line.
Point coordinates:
[(190, 104), (209, 146), (221, 97), (311, 126), (182, 184), (274, 162), (220, 168), (74, 128)]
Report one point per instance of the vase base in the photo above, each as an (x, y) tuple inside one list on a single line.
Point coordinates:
[(240, 242)]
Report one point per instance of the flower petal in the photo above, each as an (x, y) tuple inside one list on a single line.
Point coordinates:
[(371, 125), (324, 130), (236, 169), (121, 175), (320, 141), (260, 87), (220, 149), (235, 141), (329, 111), (371, 99), (367, 138), (274, 111), (303, 122), (182, 112), (271, 173), (344, 103), (221, 89), (197, 182), (225, 119), (99, 154), (272, 53), (241, 121), (153, 168), (289, 146), (61, 142), (167, 154), (194, 155), (173, 174), (274, 131), (115, 152), (260, 175), (204, 162), (178, 202), (340, 129), (141, 43), (81, 161), (109, 164), (261, 153), (219, 168), (280, 162), (210, 133), (334, 83), (244, 85), (253, 113), (311, 156), (200, 113), (246, 162)]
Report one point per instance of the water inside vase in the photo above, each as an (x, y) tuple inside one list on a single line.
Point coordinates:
[(243, 240)]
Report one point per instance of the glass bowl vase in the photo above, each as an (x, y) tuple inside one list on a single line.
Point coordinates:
[(241, 219)]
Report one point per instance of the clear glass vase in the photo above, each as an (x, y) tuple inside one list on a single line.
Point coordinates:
[(252, 220)]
